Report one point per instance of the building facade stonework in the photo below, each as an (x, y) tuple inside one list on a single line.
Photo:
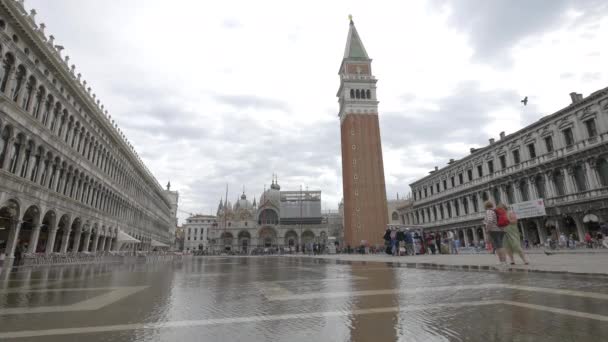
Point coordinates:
[(364, 188), (562, 158), (280, 220), (69, 179)]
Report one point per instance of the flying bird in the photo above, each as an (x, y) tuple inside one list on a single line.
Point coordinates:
[(525, 101)]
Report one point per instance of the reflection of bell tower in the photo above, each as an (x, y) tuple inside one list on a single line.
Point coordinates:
[(365, 210)]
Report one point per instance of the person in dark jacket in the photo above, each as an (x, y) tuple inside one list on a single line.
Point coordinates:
[(387, 241), (438, 242), (400, 240)]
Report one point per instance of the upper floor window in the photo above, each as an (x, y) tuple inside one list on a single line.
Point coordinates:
[(516, 159), (453, 182), (470, 175), (503, 162), (591, 129), (568, 137), (437, 186), (431, 188), (532, 151), (549, 144), (479, 171), (445, 184), (460, 179), (425, 193), (491, 166)]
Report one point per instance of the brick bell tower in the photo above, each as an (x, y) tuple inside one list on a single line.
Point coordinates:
[(364, 189)]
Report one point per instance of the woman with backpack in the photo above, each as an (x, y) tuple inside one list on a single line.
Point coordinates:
[(495, 233), (512, 242)]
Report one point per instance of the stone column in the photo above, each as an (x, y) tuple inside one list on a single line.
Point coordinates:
[(470, 203), (87, 241), (102, 244), (517, 192), (475, 235), (591, 170), (31, 248), (569, 180), (95, 242), (13, 235), (30, 165), (50, 245), (549, 186), (542, 234), (9, 153), (65, 240), (77, 240), (467, 242), (580, 227), (503, 193), (532, 187)]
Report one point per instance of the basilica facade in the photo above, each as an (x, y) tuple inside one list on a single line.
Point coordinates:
[(561, 159), (279, 220), (69, 179)]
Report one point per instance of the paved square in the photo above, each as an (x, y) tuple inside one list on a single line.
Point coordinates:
[(297, 299)]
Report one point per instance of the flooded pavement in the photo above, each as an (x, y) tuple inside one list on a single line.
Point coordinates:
[(297, 299)]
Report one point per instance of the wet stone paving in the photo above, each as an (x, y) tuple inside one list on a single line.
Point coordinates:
[(296, 299)]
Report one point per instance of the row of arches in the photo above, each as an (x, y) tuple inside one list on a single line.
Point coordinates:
[(360, 94), (29, 159), (49, 107), (37, 230), (579, 177), (268, 237)]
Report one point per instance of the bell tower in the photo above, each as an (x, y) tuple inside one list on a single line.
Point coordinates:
[(364, 188)]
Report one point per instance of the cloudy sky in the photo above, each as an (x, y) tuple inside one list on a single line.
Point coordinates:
[(230, 92)]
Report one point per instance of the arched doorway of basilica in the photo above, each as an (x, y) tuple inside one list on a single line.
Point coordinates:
[(568, 226), (226, 240), (267, 237), (244, 239), (291, 239)]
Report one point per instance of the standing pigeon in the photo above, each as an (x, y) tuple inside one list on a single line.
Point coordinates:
[(525, 101)]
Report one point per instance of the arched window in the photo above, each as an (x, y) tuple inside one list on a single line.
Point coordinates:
[(36, 166), (484, 196), (4, 144), (525, 193), (579, 178), (435, 213), (449, 210), (441, 211), (465, 206), (352, 93), (358, 94), (46, 110), (368, 94), (38, 103), (268, 216), (395, 216), (55, 118), (30, 88), (602, 170), (26, 160), (560, 186), (540, 186), (15, 150), (19, 80), (5, 72)]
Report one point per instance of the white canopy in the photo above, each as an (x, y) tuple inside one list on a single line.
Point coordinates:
[(158, 244), (124, 237)]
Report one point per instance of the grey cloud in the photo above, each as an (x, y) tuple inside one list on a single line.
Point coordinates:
[(466, 112), (566, 75), (251, 101), (591, 76), (231, 23), (495, 26)]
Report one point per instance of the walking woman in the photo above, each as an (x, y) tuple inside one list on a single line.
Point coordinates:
[(512, 242), (494, 232)]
